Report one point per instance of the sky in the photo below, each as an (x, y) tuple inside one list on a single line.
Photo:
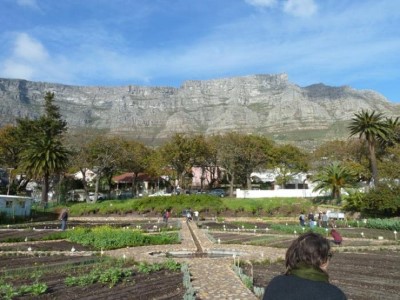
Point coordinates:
[(166, 42)]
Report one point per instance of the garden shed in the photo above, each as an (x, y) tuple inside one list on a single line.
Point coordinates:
[(15, 206)]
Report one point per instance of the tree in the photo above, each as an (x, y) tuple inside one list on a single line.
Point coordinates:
[(209, 164), (134, 157), (254, 156), (240, 155), (44, 154), (10, 146), (104, 154), (389, 165), (42, 158), (182, 153), (351, 153), (79, 142), (228, 156), (371, 127), (290, 160), (333, 178), (393, 134)]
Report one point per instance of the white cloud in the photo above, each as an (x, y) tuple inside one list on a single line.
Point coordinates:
[(29, 49), (30, 60), (28, 3), (300, 8), (262, 3)]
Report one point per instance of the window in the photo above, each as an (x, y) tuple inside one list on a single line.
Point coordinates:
[(22, 204), (9, 204)]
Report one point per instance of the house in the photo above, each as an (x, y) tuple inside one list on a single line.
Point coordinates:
[(203, 177), (125, 180), (15, 206), (296, 181)]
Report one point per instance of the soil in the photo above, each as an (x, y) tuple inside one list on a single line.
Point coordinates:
[(162, 284), (361, 275), (157, 285)]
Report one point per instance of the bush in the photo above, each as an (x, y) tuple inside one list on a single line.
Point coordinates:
[(382, 201)]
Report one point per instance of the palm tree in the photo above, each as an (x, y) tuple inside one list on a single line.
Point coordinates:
[(43, 157), (333, 178), (393, 135), (372, 127)]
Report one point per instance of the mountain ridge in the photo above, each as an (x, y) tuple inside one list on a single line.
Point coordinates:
[(260, 104)]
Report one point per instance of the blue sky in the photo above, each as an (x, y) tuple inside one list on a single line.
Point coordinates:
[(165, 42)]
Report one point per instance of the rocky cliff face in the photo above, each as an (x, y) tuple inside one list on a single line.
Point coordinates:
[(262, 104)]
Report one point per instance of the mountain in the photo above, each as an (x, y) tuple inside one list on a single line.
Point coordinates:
[(262, 104)]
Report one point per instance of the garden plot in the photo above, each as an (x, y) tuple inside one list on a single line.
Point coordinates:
[(280, 236), (146, 225), (35, 268), (361, 275), (83, 277)]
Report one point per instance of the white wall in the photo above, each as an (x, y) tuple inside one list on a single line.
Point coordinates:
[(300, 193)]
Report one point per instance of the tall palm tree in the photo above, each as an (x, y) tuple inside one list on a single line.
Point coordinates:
[(371, 126), (333, 178), (43, 157)]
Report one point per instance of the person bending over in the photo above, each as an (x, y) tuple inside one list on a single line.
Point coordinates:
[(306, 277), (337, 238)]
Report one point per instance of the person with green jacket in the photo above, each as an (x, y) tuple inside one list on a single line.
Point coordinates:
[(306, 277)]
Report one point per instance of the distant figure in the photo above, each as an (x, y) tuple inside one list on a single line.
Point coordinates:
[(306, 277), (302, 219), (188, 216), (311, 220), (166, 215), (196, 215), (64, 219), (337, 238), (325, 220), (320, 219)]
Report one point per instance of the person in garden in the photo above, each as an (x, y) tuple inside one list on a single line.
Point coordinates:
[(325, 220), (320, 219), (337, 238), (196, 215), (64, 218), (188, 215), (306, 277), (311, 220), (167, 215), (302, 219)]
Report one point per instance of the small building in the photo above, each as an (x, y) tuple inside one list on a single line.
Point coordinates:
[(15, 206)]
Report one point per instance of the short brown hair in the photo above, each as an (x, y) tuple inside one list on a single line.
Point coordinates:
[(309, 248)]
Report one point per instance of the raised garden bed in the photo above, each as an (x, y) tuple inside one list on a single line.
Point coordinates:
[(53, 271)]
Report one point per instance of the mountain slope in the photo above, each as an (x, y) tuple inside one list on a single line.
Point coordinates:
[(262, 104)]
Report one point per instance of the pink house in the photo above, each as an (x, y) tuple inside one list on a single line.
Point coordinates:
[(204, 177)]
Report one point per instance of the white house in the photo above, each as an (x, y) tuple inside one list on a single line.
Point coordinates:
[(15, 206), (298, 180)]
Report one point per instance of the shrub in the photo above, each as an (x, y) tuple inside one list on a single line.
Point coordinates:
[(382, 201), (106, 237)]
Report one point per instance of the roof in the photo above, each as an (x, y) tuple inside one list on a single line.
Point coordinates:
[(129, 177)]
